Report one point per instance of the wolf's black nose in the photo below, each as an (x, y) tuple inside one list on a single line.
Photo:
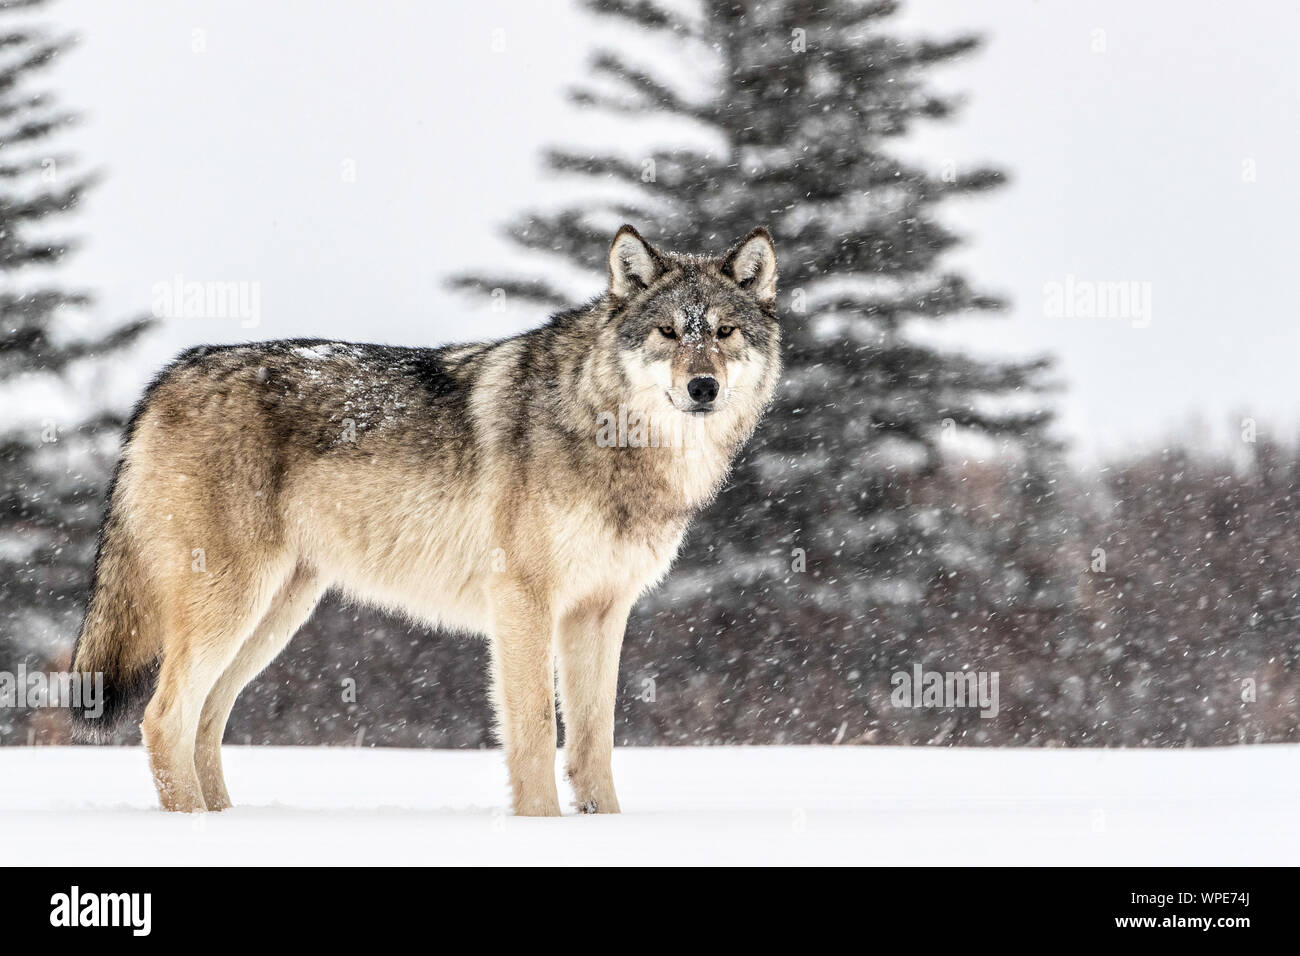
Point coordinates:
[(702, 389)]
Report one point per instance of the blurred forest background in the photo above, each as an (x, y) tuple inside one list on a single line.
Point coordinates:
[(904, 503)]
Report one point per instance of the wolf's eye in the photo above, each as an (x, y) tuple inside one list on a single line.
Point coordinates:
[(668, 332), (725, 330)]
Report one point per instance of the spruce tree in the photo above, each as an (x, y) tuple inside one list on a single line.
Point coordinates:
[(52, 473), (826, 527)]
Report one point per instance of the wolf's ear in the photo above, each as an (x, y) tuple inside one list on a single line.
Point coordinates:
[(633, 263), (752, 263)]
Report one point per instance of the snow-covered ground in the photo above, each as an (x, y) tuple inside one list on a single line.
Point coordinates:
[(726, 805)]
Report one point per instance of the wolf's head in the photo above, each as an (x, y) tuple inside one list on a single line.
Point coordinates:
[(697, 334)]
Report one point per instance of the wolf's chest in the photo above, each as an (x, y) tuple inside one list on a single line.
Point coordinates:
[(593, 551)]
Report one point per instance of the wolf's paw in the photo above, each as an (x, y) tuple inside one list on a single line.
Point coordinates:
[(596, 804)]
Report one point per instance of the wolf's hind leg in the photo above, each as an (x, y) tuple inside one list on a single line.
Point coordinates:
[(289, 609), (590, 638), (523, 670), (202, 638)]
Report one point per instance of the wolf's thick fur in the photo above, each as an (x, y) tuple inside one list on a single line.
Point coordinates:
[(478, 487)]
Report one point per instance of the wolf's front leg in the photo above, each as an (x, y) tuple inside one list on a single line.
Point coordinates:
[(523, 664), (591, 636)]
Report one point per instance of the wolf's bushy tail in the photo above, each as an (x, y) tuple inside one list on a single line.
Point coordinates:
[(120, 637)]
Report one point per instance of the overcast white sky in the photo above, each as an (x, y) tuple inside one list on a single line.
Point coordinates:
[(227, 164)]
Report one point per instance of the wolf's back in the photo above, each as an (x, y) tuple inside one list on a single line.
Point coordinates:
[(221, 443)]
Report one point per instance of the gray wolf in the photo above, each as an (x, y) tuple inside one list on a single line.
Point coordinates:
[(478, 487)]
